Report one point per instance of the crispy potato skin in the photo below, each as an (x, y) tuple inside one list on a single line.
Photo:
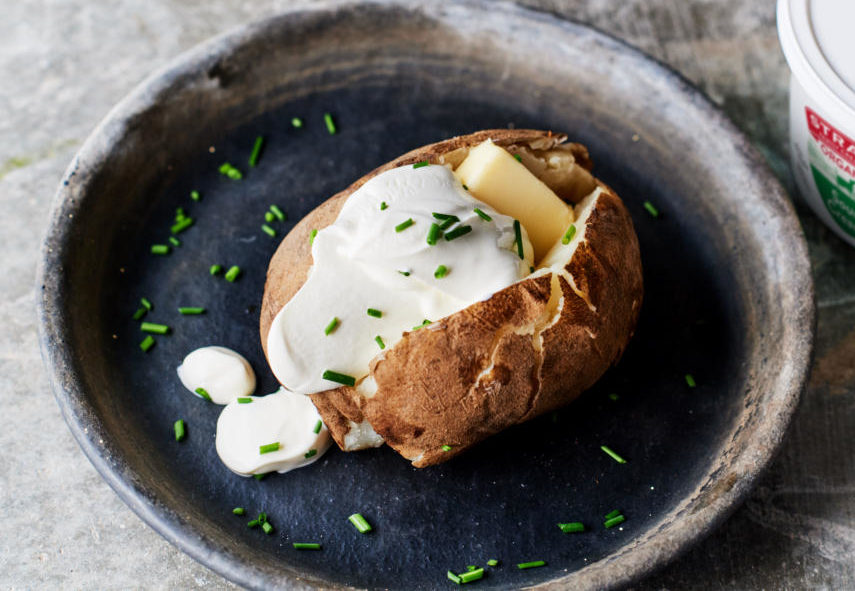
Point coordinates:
[(498, 362)]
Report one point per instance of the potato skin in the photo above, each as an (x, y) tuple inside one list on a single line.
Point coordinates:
[(501, 361)]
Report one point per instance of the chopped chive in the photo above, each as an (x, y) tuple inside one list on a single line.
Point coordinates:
[(379, 342), (174, 241), (256, 151), (190, 311), (452, 577), (611, 514), (306, 546), (492, 562), (614, 521), (374, 312), (433, 233), (444, 216), (472, 575), (568, 235), (572, 527), (333, 324), (147, 343), (458, 232), (518, 157), (296, 122), (318, 426), (180, 431), (424, 323), (230, 171), (260, 476), (651, 209), (179, 214), (518, 238), (404, 225), (531, 269), (465, 188), (421, 164), (269, 217), (482, 215), (448, 222), (159, 249), (181, 225), (690, 380), (360, 523), (404, 273), (446, 448), (268, 230), (215, 269), (383, 205), (532, 564), (330, 123), (613, 455), (146, 304), (232, 273), (280, 215), (195, 196), (253, 523), (440, 272), (268, 529), (140, 313), (203, 393), (244, 400), (312, 235), (614, 397), (154, 328), (268, 448), (339, 378), (311, 453), (238, 511)]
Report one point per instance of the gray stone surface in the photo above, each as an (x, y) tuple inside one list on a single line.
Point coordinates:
[(63, 64)]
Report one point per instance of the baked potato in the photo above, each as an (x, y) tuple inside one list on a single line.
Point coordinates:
[(528, 349)]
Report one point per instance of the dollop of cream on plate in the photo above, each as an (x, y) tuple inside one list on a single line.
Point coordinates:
[(222, 373)]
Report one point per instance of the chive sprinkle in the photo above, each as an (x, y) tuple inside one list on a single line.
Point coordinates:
[(421, 164), (195, 196), (339, 378), (253, 523), (360, 523), (458, 232), (472, 575), (159, 249), (690, 380), (404, 225), (443, 216), (448, 222), (312, 235), (147, 343), (492, 562), (306, 546), (330, 123), (651, 209), (440, 272), (260, 476), (311, 453), (614, 397), (614, 521), (452, 577), (203, 393), (333, 324), (611, 514), (230, 171), (232, 273), (424, 323), (318, 426), (383, 205), (482, 215), (262, 517), (154, 328), (532, 564), (446, 448), (215, 269), (139, 313), (568, 235), (179, 214), (174, 241), (518, 238), (374, 312), (379, 342), (613, 455), (182, 225), (269, 217), (146, 304), (256, 151), (465, 188), (244, 400), (572, 527), (268, 448), (180, 431), (268, 230), (239, 511), (268, 529), (518, 157), (280, 215), (404, 273), (189, 311), (433, 233), (296, 122)]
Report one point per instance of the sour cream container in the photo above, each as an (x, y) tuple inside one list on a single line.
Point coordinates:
[(818, 39)]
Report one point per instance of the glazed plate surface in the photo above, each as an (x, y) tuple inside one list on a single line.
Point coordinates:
[(728, 299)]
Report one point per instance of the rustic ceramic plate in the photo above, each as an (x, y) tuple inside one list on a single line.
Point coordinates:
[(728, 299)]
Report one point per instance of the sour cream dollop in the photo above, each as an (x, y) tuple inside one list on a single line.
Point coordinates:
[(372, 257), (224, 374)]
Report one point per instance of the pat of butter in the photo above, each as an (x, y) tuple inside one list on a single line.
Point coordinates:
[(495, 177)]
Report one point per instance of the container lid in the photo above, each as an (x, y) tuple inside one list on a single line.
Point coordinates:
[(818, 39)]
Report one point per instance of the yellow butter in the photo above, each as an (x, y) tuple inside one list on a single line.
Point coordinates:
[(495, 177)]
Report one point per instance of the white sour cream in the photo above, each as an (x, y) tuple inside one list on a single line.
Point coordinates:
[(224, 374), (357, 264), (282, 418)]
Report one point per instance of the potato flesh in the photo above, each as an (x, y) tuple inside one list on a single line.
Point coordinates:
[(495, 177)]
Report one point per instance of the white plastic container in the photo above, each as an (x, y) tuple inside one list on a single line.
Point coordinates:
[(818, 39)]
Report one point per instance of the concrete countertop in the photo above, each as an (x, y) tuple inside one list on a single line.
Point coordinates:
[(64, 63)]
